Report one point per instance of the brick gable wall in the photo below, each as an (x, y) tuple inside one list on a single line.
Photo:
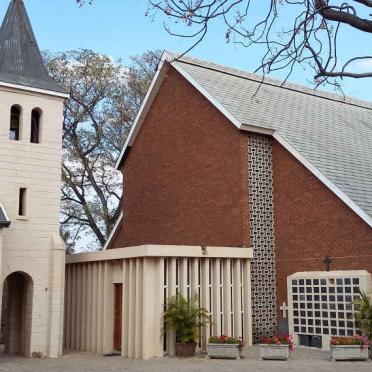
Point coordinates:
[(185, 178), (186, 182), (311, 222)]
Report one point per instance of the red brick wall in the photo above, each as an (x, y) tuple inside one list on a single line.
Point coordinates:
[(311, 222), (185, 178)]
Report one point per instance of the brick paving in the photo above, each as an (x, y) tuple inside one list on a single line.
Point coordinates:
[(301, 360)]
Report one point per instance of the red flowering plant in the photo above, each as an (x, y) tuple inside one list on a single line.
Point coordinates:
[(227, 340), (279, 340), (350, 340)]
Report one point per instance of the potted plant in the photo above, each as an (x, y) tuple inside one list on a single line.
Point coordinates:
[(276, 348), (224, 347), (185, 317), (349, 348), (363, 314)]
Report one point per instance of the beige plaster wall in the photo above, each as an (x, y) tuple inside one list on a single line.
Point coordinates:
[(149, 277), (32, 244)]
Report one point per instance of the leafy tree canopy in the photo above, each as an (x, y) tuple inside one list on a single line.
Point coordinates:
[(105, 97)]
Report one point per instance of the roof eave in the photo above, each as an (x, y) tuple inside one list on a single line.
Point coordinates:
[(145, 107), (113, 232), (34, 90), (325, 180), (152, 92)]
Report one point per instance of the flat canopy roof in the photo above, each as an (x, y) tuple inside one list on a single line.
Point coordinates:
[(160, 251)]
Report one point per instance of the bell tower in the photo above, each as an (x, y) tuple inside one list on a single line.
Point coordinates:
[(31, 251)]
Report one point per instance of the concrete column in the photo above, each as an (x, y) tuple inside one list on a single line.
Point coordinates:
[(108, 309), (216, 296), (151, 309), (237, 331), (171, 337), (125, 310), (131, 315), (194, 276), (56, 297), (205, 298), (1, 275), (182, 269), (138, 325), (227, 297), (247, 302)]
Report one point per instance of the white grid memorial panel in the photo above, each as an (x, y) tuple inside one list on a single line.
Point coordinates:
[(321, 304)]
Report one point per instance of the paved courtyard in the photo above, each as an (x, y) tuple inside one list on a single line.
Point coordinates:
[(301, 360)]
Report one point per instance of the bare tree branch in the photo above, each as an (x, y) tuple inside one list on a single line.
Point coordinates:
[(292, 31)]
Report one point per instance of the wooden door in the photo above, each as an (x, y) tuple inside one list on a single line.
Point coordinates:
[(118, 315)]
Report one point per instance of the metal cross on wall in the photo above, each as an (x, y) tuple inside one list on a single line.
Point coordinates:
[(284, 308), (327, 261)]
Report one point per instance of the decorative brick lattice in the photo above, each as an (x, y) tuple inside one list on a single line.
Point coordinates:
[(261, 212)]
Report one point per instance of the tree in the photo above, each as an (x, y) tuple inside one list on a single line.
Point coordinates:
[(105, 97), (290, 31)]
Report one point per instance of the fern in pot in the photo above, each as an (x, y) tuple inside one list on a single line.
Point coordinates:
[(363, 314), (363, 317), (185, 317)]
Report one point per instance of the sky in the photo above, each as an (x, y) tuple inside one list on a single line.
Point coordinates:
[(120, 29)]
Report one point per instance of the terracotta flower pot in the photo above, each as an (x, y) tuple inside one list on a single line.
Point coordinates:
[(185, 349)]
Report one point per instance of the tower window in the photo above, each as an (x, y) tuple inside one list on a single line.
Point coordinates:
[(22, 201), (15, 123), (35, 126)]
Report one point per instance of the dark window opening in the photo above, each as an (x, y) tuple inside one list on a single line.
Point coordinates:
[(311, 340), (22, 202), (15, 123), (35, 126)]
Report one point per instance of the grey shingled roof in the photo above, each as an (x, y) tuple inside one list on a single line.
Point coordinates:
[(332, 133), (4, 222), (20, 60)]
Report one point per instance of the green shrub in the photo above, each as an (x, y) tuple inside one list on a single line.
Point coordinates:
[(185, 317), (363, 314)]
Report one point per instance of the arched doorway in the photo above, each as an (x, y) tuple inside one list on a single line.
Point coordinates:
[(16, 314)]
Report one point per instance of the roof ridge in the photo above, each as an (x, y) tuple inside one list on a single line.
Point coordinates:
[(271, 81)]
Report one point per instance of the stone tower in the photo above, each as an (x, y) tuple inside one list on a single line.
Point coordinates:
[(31, 251)]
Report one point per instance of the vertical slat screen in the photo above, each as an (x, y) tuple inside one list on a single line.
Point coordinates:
[(222, 284)]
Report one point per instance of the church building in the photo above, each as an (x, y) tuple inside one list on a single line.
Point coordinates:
[(218, 157), (32, 254), (252, 194)]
